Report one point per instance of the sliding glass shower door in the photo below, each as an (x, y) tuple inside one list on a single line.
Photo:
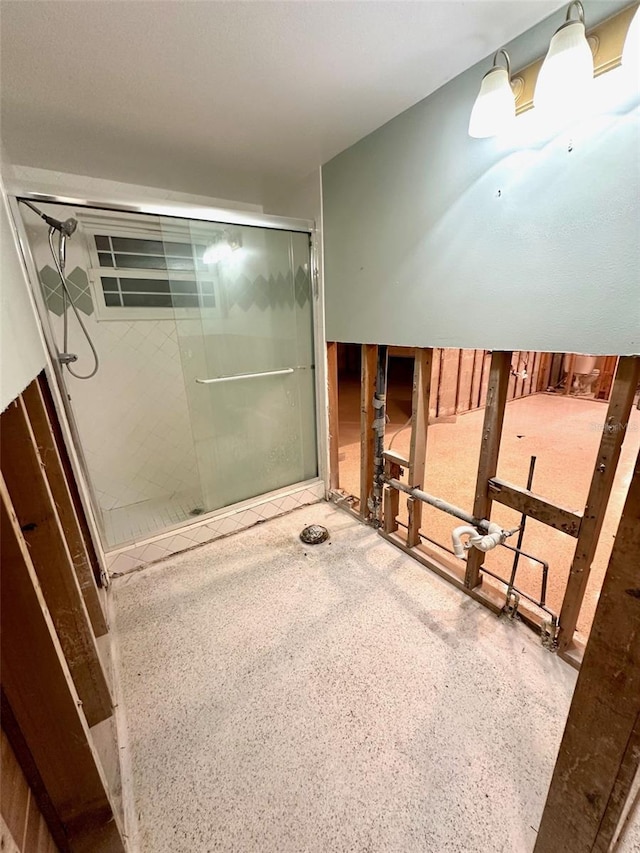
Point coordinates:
[(204, 395), (247, 357)]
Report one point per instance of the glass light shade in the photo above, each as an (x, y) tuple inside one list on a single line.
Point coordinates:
[(566, 76), (631, 51), (495, 106)]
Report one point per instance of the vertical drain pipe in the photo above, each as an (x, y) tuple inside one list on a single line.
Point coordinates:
[(379, 404)]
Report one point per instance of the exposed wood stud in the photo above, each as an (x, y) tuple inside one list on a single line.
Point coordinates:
[(545, 371), (39, 793), (14, 792), (367, 416), (56, 477), (534, 506), (391, 498), (448, 380), (621, 794), (595, 764), (473, 376), (499, 375), (476, 382), (616, 421), (435, 384), (98, 573), (465, 380), (414, 515), (484, 379), (33, 502), (19, 808), (420, 403), (569, 361), (334, 416), (43, 698), (535, 372)]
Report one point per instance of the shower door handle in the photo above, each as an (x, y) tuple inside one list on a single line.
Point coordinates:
[(245, 376)]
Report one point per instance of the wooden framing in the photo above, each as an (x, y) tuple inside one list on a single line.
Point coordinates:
[(38, 686), (99, 574), (390, 497), (496, 384), (617, 418), (420, 403), (499, 375), (599, 753), (38, 517), (528, 503), (334, 416), (28, 766), (367, 415), (47, 448), (21, 814)]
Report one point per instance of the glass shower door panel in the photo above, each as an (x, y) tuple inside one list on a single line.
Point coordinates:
[(247, 358)]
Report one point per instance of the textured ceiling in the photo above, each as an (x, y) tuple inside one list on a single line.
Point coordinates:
[(227, 98)]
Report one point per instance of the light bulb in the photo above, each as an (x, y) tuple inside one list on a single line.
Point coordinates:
[(495, 107), (566, 77)]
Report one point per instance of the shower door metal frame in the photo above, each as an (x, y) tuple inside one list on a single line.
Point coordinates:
[(54, 370)]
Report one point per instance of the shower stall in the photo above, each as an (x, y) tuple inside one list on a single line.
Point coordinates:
[(205, 396)]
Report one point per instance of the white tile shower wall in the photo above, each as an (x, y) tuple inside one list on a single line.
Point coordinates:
[(141, 553), (132, 416)]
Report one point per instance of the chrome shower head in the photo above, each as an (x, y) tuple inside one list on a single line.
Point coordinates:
[(68, 226)]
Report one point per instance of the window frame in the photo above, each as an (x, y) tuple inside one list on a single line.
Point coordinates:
[(143, 228)]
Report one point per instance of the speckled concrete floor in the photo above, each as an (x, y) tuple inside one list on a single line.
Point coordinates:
[(282, 697)]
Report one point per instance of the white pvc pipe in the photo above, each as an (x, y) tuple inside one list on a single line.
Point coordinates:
[(488, 542)]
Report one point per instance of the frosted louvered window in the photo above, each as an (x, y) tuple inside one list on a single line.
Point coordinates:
[(148, 273)]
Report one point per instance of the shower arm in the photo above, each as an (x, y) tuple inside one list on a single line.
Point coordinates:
[(65, 228)]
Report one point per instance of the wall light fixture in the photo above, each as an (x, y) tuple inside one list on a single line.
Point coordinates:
[(566, 76), (559, 82), (495, 106)]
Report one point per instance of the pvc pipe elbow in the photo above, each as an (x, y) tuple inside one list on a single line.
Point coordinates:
[(456, 534), (484, 543), (490, 540)]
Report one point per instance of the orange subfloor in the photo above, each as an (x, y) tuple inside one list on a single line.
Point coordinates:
[(562, 432)]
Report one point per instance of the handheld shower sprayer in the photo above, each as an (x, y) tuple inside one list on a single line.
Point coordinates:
[(65, 229)]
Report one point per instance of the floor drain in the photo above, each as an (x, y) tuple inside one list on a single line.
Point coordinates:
[(314, 534)]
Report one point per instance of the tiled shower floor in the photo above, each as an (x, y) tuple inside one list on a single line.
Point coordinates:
[(146, 518)]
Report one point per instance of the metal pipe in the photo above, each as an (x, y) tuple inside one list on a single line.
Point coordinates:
[(523, 522), (530, 598), (543, 563), (379, 405), (438, 503), (244, 376)]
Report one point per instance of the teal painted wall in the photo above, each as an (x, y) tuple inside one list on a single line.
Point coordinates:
[(436, 239)]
